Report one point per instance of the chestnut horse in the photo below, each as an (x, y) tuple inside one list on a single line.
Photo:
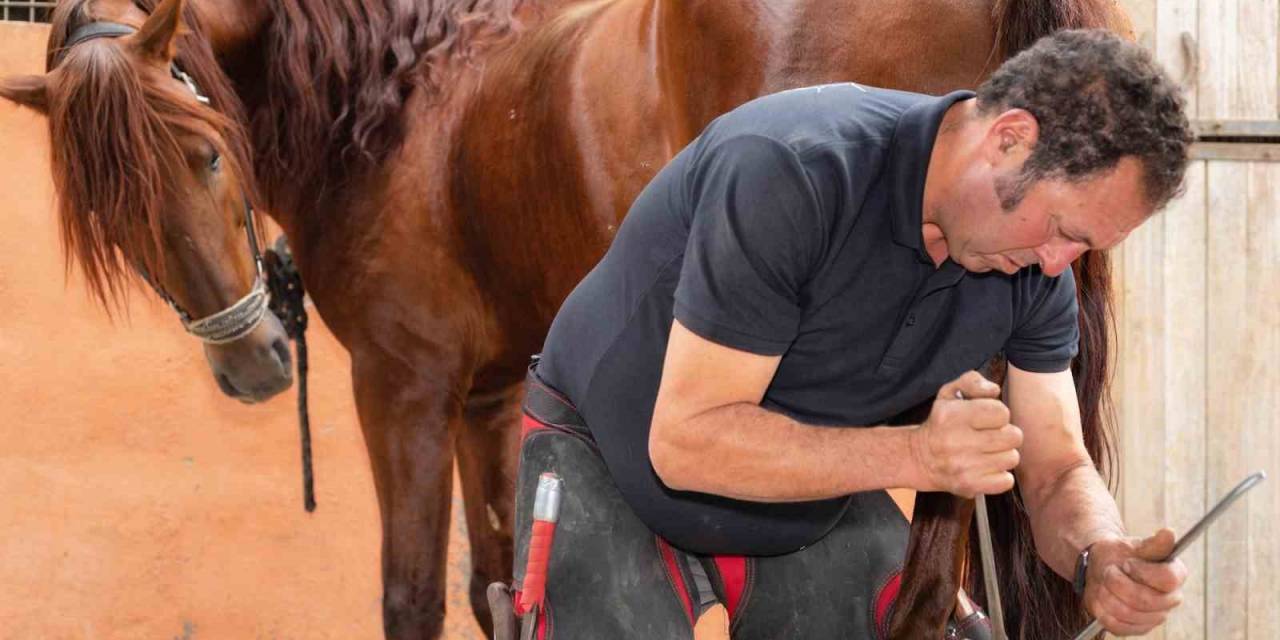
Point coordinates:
[(447, 170)]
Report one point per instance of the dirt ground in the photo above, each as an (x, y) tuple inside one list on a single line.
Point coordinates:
[(138, 501)]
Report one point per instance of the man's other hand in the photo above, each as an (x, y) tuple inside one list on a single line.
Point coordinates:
[(1127, 588)]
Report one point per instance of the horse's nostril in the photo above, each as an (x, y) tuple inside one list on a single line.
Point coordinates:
[(281, 347), (224, 383)]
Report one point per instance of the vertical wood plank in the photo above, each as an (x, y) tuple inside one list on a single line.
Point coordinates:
[(1174, 18), (1183, 313), (1217, 20), (1261, 397), (1120, 464), (1140, 379), (1228, 368), (1238, 77), (1142, 13)]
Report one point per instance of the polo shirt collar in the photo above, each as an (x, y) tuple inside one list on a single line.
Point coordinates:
[(913, 139)]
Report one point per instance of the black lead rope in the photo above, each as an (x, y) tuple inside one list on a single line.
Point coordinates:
[(287, 297)]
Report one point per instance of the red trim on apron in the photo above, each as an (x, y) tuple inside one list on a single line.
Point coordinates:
[(884, 602), (677, 578), (528, 425), (733, 572)]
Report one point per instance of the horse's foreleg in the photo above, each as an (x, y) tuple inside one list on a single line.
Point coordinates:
[(487, 448), (405, 414)]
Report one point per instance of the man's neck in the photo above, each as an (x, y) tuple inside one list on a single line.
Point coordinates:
[(941, 173)]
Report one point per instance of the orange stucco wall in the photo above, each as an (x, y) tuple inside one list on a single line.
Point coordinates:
[(136, 501)]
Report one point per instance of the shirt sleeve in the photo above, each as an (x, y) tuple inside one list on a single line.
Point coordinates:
[(756, 235), (1047, 335)]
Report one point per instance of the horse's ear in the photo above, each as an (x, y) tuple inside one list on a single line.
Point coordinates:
[(28, 91), (157, 39)]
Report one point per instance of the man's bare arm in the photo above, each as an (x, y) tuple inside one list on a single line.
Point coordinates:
[(1128, 589), (1068, 502), (709, 434)]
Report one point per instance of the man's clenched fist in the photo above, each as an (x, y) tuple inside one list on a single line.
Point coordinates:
[(967, 445)]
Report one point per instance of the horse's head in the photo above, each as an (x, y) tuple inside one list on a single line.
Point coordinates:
[(153, 183)]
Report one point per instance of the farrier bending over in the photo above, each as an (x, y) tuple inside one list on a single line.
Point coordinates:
[(820, 261)]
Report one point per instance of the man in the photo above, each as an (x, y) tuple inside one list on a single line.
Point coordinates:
[(817, 263)]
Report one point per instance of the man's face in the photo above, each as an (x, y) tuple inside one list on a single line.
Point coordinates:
[(1055, 222)]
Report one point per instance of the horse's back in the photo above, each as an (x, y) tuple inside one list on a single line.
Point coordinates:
[(926, 46), (578, 113)]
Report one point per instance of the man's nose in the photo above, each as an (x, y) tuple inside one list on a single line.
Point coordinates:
[(1056, 256)]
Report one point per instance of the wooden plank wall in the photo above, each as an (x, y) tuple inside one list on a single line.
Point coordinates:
[(1198, 371)]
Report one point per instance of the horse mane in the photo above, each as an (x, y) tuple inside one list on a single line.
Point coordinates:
[(338, 74), (112, 133), (1037, 602)]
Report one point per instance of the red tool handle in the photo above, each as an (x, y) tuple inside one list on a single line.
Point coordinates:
[(535, 573), (546, 512)]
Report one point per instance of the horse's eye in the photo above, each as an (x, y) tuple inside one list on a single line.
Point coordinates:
[(215, 162)]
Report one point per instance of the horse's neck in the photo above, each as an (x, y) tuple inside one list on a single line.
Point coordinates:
[(233, 27), (122, 11)]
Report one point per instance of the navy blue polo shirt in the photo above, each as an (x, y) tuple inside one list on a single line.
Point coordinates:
[(791, 226)]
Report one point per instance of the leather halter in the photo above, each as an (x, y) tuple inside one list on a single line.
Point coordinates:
[(242, 317), (95, 30)]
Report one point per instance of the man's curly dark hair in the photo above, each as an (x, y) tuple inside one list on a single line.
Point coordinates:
[(1097, 98)]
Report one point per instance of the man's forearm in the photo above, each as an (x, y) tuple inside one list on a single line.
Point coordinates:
[(747, 452), (1072, 511)]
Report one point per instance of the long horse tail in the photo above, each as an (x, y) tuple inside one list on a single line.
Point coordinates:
[(1037, 602)]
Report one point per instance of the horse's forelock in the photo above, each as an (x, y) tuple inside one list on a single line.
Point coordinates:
[(114, 143), (108, 149)]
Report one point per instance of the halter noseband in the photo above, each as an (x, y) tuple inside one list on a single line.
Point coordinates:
[(245, 314)]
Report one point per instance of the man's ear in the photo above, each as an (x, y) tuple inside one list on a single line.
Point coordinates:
[(1010, 137), (157, 39), (29, 91), (1014, 128)]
